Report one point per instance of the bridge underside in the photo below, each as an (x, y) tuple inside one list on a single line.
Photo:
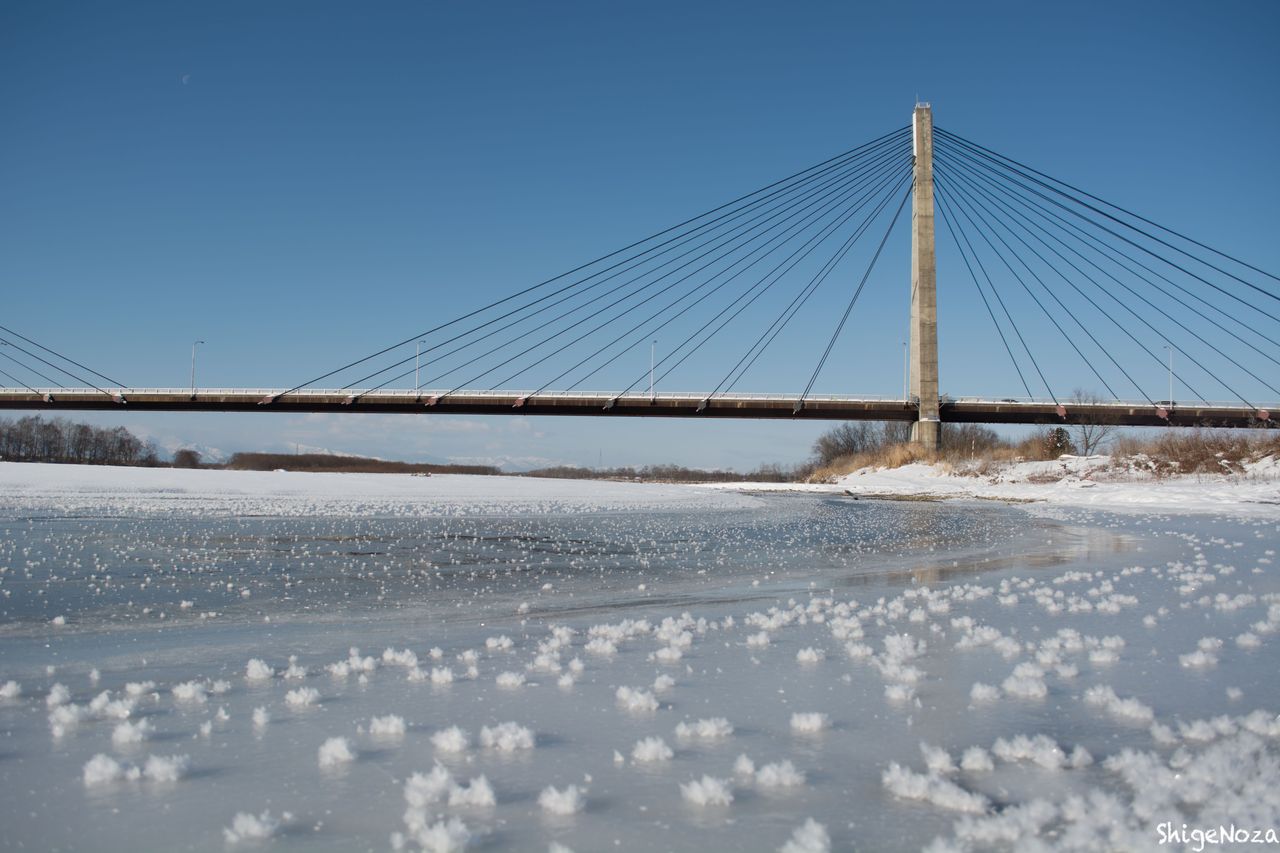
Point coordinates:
[(742, 406)]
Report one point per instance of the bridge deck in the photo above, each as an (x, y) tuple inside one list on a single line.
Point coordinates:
[(757, 406)]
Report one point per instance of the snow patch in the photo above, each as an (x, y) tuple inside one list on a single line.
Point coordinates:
[(250, 827), (453, 740), (809, 837), (707, 791), (651, 749), (809, 723), (561, 802), (335, 752), (506, 737), (711, 728)]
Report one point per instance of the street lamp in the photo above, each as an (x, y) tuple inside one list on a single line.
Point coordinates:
[(1169, 349), (904, 371), (652, 347), (193, 367), (417, 356)]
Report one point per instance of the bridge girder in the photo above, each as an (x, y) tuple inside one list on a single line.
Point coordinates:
[(738, 406)]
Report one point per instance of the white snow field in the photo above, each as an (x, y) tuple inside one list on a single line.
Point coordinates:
[(76, 488), (212, 661)]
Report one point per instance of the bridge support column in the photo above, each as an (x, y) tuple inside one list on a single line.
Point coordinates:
[(924, 293)]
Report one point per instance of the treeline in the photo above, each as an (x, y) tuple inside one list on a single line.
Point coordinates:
[(344, 464), (979, 449), (851, 446), (673, 474), (868, 438), (37, 439), (34, 439)]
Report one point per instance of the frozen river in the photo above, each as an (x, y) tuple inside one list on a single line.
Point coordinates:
[(190, 661)]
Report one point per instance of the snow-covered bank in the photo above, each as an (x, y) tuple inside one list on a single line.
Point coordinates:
[(1078, 481), (81, 488)]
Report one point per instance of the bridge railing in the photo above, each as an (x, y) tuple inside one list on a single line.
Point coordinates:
[(603, 397), (405, 394), (1114, 404)]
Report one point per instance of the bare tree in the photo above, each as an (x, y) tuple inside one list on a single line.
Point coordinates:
[(849, 439), (969, 439), (81, 443), (186, 458), (845, 440), (896, 432), (1091, 437), (33, 439)]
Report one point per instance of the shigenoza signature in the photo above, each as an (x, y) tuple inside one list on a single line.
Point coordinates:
[(1197, 838)]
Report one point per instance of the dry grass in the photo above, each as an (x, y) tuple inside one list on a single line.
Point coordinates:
[(890, 456), (1197, 451), (1174, 451), (991, 463)]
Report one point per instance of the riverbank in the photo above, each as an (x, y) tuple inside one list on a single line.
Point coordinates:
[(1071, 481)]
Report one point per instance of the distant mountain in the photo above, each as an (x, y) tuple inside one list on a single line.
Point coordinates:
[(308, 449), (506, 462), (207, 454)]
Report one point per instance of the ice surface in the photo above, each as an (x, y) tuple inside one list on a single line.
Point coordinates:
[(670, 668)]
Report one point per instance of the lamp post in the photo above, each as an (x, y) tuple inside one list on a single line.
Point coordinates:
[(417, 357), (194, 344), (652, 347), (1169, 349), (904, 371)]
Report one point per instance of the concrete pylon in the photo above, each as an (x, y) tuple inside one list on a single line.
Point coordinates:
[(924, 290)]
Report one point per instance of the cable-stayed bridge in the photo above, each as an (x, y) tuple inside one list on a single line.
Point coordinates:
[(1056, 270)]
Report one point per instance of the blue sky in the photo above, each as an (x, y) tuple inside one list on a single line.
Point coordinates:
[(299, 184)]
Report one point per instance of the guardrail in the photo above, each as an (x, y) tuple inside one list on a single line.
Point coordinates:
[(443, 393), (603, 396)]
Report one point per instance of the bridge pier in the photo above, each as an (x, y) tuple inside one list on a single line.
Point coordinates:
[(926, 430)]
